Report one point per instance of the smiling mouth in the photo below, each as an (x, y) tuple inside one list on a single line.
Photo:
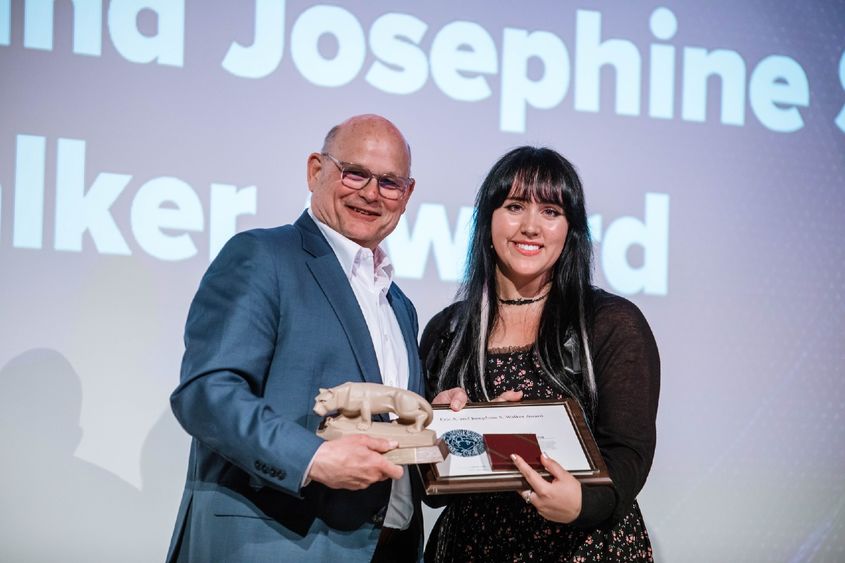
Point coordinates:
[(363, 212), (527, 248)]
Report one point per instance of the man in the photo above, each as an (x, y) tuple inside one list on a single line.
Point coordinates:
[(279, 314)]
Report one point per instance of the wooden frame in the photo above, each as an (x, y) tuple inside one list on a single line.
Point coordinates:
[(480, 416)]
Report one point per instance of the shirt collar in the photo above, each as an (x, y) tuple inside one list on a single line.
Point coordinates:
[(349, 254)]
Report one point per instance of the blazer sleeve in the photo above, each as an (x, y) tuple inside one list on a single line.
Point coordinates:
[(230, 342)]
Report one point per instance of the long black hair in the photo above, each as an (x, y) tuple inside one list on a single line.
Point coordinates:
[(562, 346)]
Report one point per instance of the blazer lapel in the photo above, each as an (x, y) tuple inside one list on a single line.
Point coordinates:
[(403, 317), (334, 284)]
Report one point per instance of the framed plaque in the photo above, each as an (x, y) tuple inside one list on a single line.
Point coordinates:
[(560, 429)]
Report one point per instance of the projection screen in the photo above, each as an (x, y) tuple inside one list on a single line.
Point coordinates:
[(137, 136)]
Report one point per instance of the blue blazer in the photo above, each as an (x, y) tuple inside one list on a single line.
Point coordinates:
[(274, 320)]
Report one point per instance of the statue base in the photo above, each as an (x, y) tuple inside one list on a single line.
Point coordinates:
[(414, 447)]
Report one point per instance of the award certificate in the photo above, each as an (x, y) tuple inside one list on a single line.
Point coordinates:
[(559, 426)]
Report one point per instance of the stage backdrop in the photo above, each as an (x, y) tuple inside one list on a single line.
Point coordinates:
[(136, 136)]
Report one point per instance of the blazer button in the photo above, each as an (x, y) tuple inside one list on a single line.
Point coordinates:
[(378, 517)]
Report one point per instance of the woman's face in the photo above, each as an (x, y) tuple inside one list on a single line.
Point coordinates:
[(528, 237)]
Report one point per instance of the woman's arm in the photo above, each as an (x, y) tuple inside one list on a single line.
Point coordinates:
[(626, 364)]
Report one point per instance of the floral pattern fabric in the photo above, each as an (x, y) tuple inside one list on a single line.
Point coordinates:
[(502, 527)]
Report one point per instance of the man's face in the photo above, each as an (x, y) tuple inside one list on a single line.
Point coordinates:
[(363, 216)]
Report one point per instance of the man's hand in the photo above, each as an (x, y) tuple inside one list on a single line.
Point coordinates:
[(353, 462)]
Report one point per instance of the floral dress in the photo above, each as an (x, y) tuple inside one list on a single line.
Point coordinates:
[(502, 527)]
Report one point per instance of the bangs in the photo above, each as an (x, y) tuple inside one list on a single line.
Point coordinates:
[(532, 174), (538, 185)]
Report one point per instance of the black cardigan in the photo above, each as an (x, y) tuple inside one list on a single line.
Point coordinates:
[(626, 365)]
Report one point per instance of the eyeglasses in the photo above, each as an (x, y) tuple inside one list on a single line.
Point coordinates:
[(356, 177)]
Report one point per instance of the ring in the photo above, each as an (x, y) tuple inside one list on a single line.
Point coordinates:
[(527, 497)]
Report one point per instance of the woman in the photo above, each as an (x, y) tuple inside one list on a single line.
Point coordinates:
[(530, 325)]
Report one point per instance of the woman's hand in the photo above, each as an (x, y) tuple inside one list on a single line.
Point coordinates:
[(509, 397), (455, 397), (558, 500)]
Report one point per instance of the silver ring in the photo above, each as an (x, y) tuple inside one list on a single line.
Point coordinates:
[(527, 497)]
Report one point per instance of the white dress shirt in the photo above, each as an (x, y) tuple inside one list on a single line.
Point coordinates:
[(370, 275)]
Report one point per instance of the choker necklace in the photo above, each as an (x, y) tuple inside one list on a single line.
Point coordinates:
[(522, 301)]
